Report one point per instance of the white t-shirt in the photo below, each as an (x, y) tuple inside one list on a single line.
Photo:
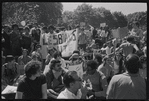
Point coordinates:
[(66, 94), (44, 43)]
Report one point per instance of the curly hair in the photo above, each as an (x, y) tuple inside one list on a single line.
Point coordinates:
[(31, 68)]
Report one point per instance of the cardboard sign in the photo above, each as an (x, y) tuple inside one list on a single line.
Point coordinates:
[(120, 32), (78, 68)]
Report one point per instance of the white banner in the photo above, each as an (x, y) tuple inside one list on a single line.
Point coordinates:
[(78, 68), (65, 42)]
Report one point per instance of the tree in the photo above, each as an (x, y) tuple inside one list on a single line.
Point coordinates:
[(15, 12), (141, 17), (120, 19)]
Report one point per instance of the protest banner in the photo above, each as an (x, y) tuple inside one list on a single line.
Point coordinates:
[(120, 32), (78, 68), (64, 41), (102, 24), (71, 43)]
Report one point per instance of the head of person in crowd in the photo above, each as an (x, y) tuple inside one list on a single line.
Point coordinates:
[(44, 29), (92, 66), (118, 55), (6, 29), (35, 25), (132, 63), (98, 59), (51, 29), (21, 30), (34, 56), (82, 30), (143, 61), (109, 43), (38, 31), (75, 58), (130, 39), (55, 65), (38, 48), (30, 26), (57, 55), (10, 59), (27, 30), (135, 25), (32, 69), (15, 28), (51, 52), (106, 60), (72, 81), (24, 52)]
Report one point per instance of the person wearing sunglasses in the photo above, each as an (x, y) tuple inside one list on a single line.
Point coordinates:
[(74, 87), (33, 85), (54, 79)]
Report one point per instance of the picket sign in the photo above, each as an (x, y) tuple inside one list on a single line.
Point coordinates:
[(120, 32), (78, 68)]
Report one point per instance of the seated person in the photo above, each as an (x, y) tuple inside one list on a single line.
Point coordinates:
[(23, 60), (33, 85), (10, 70), (96, 80), (54, 79), (74, 88)]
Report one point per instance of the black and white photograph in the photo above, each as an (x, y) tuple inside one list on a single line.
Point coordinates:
[(74, 50)]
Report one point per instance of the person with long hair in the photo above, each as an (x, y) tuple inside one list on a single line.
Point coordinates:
[(33, 85)]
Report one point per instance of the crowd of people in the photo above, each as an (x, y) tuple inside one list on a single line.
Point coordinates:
[(112, 68)]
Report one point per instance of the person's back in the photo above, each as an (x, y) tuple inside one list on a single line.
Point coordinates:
[(129, 86), (127, 48)]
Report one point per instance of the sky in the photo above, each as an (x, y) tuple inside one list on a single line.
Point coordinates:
[(125, 8)]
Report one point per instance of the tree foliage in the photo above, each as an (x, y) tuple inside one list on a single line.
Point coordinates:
[(94, 16), (140, 17), (46, 12)]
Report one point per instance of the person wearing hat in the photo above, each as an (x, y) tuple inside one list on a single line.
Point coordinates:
[(129, 85), (75, 59), (33, 85), (10, 70)]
